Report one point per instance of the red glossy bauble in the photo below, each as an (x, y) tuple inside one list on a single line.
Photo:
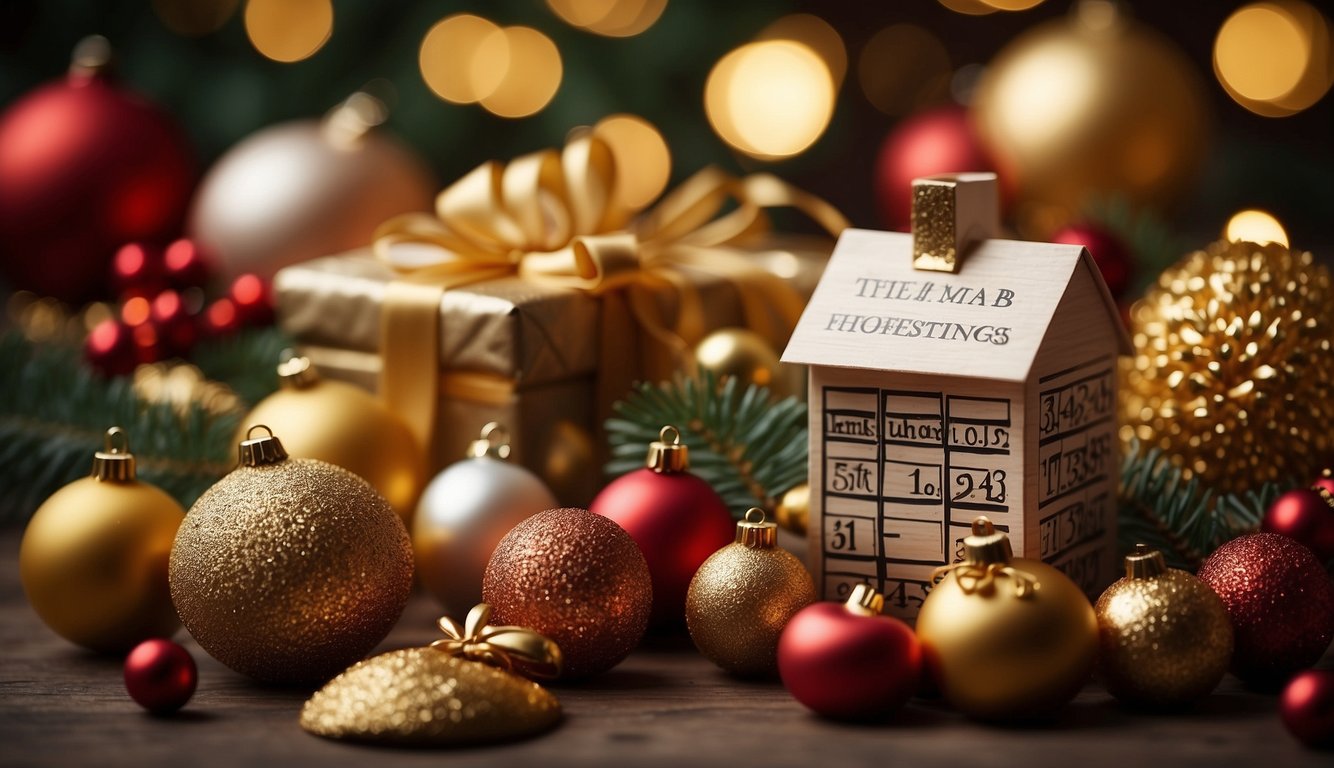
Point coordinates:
[(137, 270), (1324, 482), (844, 663), (938, 141), (1281, 603), (177, 329), (252, 297), (220, 319), (677, 520), (85, 166), (187, 264), (1306, 516), (110, 349), (1108, 250), (160, 675), (1307, 707)]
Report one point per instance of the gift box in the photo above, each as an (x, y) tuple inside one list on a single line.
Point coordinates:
[(539, 338)]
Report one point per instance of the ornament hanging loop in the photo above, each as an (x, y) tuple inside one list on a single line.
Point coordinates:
[(494, 442), (756, 533), (295, 371), (262, 450), (513, 649), (114, 463), (865, 601), (668, 453), (1144, 563), (989, 555)]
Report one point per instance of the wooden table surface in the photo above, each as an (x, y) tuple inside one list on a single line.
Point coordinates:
[(665, 705)]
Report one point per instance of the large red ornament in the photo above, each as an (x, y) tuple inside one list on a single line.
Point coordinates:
[(1307, 707), (1109, 252), (160, 675), (676, 518), (85, 166), (849, 661), (1281, 603), (1306, 516), (938, 141)]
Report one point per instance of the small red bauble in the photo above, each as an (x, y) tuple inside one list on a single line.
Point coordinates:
[(110, 348), (186, 264), (160, 675), (177, 330), (253, 300), (137, 270), (1108, 250), (1306, 516), (1307, 707), (220, 318), (1281, 603), (1325, 481), (676, 518), (849, 661), (938, 141)]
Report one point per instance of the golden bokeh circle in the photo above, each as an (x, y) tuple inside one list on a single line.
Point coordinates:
[(904, 68), (459, 59), (814, 33), (609, 18), (770, 99), (532, 76), (1274, 58), (969, 7), (288, 30), (1255, 226), (643, 160), (1012, 5)]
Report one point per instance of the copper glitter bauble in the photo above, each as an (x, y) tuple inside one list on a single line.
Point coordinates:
[(423, 697), (289, 570), (1164, 635), (1281, 603), (577, 578), (1233, 374)]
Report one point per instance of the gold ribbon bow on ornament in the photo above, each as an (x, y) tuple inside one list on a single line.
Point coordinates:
[(978, 578), (553, 218), (513, 649)]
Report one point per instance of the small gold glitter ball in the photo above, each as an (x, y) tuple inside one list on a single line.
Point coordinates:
[(423, 697), (1164, 636), (741, 353), (1233, 374), (289, 570)]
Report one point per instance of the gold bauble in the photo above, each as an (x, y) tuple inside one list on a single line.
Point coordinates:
[(794, 509), (1006, 637), (1091, 107), (93, 561), (1165, 636), (1233, 374), (289, 570), (739, 353), (743, 595), (347, 426), (423, 697)]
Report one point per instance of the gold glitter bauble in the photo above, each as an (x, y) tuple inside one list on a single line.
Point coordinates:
[(1006, 637), (1165, 637), (288, 570), (332, 421), (1233, 374), (423, 697), (94, 556), (794, 510), (743, 595), (577, 578), (740, 353)]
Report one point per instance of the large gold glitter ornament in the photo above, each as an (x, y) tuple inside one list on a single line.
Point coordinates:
[(1005, 637), (94, 556), (1165, 637), (1233, 376), (743, 596), (288, 570)]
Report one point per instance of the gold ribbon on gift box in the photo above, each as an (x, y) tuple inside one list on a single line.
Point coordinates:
[(551, 217)]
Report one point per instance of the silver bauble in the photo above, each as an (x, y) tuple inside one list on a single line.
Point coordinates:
[(464, 513)]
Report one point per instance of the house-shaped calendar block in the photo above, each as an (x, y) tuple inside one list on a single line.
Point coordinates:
[(937, 396)]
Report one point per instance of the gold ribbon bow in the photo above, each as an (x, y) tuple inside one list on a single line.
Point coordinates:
[(552, 218), (977, 578), (513, 649)]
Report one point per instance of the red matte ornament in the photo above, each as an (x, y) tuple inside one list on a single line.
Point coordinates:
[(160, 675), (1109, 252), (1307, 707), (1306, 516)]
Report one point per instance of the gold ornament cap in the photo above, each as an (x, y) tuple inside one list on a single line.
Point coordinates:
[(865, 601), (668, 454), (494, 442), (986, 544), (1145, 563), (114, 463), (296, 371), (265, 449), (757, 533)]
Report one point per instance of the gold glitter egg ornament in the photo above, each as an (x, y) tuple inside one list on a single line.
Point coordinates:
[(742, 597), (1165, 638), (93, 561), (1233, 374), (287, 570), (1005, 637), (577, 578), (462, 690)]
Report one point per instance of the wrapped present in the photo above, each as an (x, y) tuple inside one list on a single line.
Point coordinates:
[(531, 300)]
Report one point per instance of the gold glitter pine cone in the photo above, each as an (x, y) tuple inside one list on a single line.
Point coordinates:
[(1233, 374)]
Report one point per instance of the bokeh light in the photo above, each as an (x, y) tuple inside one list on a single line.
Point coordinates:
[(610, 18), (814, 33), (288, 30), (1012, 5), (454, 63), (904, 68), (770, 99), (968, 7), (1273, 58), (532, 76), (643, 161), (194, 18), (1255, 226)]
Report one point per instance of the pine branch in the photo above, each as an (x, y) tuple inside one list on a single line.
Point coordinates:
[(1183, 519), (748, 445)]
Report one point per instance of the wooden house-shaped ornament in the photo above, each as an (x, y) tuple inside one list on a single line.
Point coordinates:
[(953, 375)]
